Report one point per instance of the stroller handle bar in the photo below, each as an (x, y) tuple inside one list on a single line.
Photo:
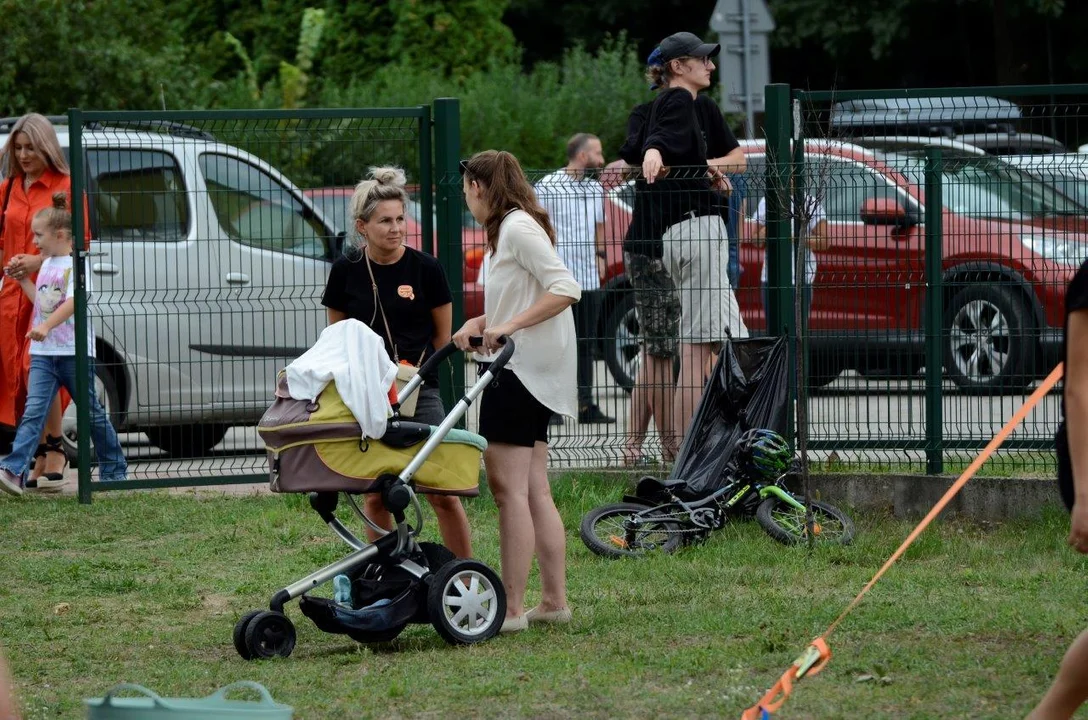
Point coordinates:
[(430, 366)]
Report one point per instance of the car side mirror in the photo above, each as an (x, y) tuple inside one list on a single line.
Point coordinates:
[(887, 211)]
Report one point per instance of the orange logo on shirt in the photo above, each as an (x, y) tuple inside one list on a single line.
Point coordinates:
[(405, 291)]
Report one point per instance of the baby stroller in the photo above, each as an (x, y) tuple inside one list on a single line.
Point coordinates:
[(734, 463), (316, 448)]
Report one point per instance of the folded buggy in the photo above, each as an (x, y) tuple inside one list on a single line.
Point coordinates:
[(318, 448), (734, 463)]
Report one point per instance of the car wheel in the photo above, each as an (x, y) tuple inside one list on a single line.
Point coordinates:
[(897, 367), (106, 390), (187, 441), (621, 345), (822, 372), (989, 340)]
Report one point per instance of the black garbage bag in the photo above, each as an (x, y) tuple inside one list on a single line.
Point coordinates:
[(748, 388)]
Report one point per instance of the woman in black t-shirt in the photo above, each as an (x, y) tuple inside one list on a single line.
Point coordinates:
[(1070, 687), (684, 186), (402, 294)]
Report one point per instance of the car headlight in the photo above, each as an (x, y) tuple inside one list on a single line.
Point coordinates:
[(1057, 249)]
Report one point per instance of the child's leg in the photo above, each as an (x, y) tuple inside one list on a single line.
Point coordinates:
[(42, 386), (111, 459)]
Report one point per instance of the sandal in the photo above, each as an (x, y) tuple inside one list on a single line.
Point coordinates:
[(50, 480)]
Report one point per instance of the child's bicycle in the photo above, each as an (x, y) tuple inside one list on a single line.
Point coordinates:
[(662, 516)]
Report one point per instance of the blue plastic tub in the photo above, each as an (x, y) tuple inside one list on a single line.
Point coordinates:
[(149, 706)]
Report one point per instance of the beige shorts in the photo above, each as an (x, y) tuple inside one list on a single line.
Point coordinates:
[(696, 256)]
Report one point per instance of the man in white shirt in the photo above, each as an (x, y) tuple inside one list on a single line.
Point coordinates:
[(575, 204), (814, 237)]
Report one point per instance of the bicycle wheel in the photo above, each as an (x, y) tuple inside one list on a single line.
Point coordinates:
[(627, 530), (786, 524)]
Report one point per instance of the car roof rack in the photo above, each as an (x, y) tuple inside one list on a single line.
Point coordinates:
[(168, 127)]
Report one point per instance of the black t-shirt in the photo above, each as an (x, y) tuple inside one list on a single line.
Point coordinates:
[(687, 132), (1076, 298), (408, 290)]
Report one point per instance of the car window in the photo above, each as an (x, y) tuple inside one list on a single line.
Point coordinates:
[(256, 210), (988, 188), (335, 207), (1072, 186), (846, 186), (137, 195)]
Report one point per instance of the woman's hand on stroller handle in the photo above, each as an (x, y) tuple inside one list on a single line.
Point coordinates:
[(482, 340)]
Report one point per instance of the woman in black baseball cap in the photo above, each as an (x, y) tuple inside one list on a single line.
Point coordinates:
[(685, 44), (686, 147)]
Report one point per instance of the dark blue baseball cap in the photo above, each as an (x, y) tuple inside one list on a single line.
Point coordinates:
[(685, 44)]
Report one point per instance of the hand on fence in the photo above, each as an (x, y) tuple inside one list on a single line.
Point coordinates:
[(720, 182), (653, 166)]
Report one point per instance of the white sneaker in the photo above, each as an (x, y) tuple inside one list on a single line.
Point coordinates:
[(10, 483)]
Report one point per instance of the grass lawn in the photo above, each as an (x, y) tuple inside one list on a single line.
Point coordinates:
[(146, 587)]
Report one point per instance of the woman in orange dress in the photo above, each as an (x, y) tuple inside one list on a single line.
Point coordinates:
[(35, 168)]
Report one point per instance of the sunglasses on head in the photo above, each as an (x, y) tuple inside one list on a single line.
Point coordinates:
[(463, 165)]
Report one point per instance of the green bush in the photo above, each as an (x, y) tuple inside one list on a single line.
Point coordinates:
[(529, 114)]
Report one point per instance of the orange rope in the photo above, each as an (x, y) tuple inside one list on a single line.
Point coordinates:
[(777, 695)]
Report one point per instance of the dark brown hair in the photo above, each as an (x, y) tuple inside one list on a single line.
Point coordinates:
[(57, 217), (505, 188)]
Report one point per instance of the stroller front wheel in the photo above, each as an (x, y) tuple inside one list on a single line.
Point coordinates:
[(269, 634), (466, 602)]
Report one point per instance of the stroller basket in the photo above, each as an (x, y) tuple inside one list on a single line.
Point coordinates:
[(317, 447)]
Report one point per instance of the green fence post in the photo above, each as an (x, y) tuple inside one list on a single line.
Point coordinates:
[(779, 247), (84, 388), (426, 182), (447, 155), (934, 313)]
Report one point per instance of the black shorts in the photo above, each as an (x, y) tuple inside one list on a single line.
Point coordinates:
[(510, 414)]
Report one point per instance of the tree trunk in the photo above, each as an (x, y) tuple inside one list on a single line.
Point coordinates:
[(1007, 65)]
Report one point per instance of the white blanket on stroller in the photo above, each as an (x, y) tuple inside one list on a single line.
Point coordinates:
[(353, 356)]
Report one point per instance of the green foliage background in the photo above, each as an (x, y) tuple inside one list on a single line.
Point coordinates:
[(528, 73)]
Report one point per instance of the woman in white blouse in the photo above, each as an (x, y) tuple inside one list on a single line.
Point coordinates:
[(527, 297)]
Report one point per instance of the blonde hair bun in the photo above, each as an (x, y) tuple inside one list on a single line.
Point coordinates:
[(60, 201), (389, 176)]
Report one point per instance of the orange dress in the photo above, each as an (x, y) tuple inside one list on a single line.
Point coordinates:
[(15, 307)]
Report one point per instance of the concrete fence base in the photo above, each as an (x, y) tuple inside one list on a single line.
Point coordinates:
[(912, 496)]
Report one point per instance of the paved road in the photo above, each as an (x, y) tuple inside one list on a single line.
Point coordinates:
[(850, 411)]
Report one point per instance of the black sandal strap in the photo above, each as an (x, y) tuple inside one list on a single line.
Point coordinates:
[(53, 443)]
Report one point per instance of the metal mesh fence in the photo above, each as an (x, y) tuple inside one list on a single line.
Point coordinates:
[(1011, 221), (923, 322), (212, 236)]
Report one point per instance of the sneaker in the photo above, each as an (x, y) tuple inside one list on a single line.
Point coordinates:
[(10, 482), (592, 415)]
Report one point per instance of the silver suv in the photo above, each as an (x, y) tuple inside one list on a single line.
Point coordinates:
[(207, 267)]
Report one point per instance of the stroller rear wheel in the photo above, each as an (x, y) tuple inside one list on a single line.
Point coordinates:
[(240, 634), (466, 602), (270, 634)]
